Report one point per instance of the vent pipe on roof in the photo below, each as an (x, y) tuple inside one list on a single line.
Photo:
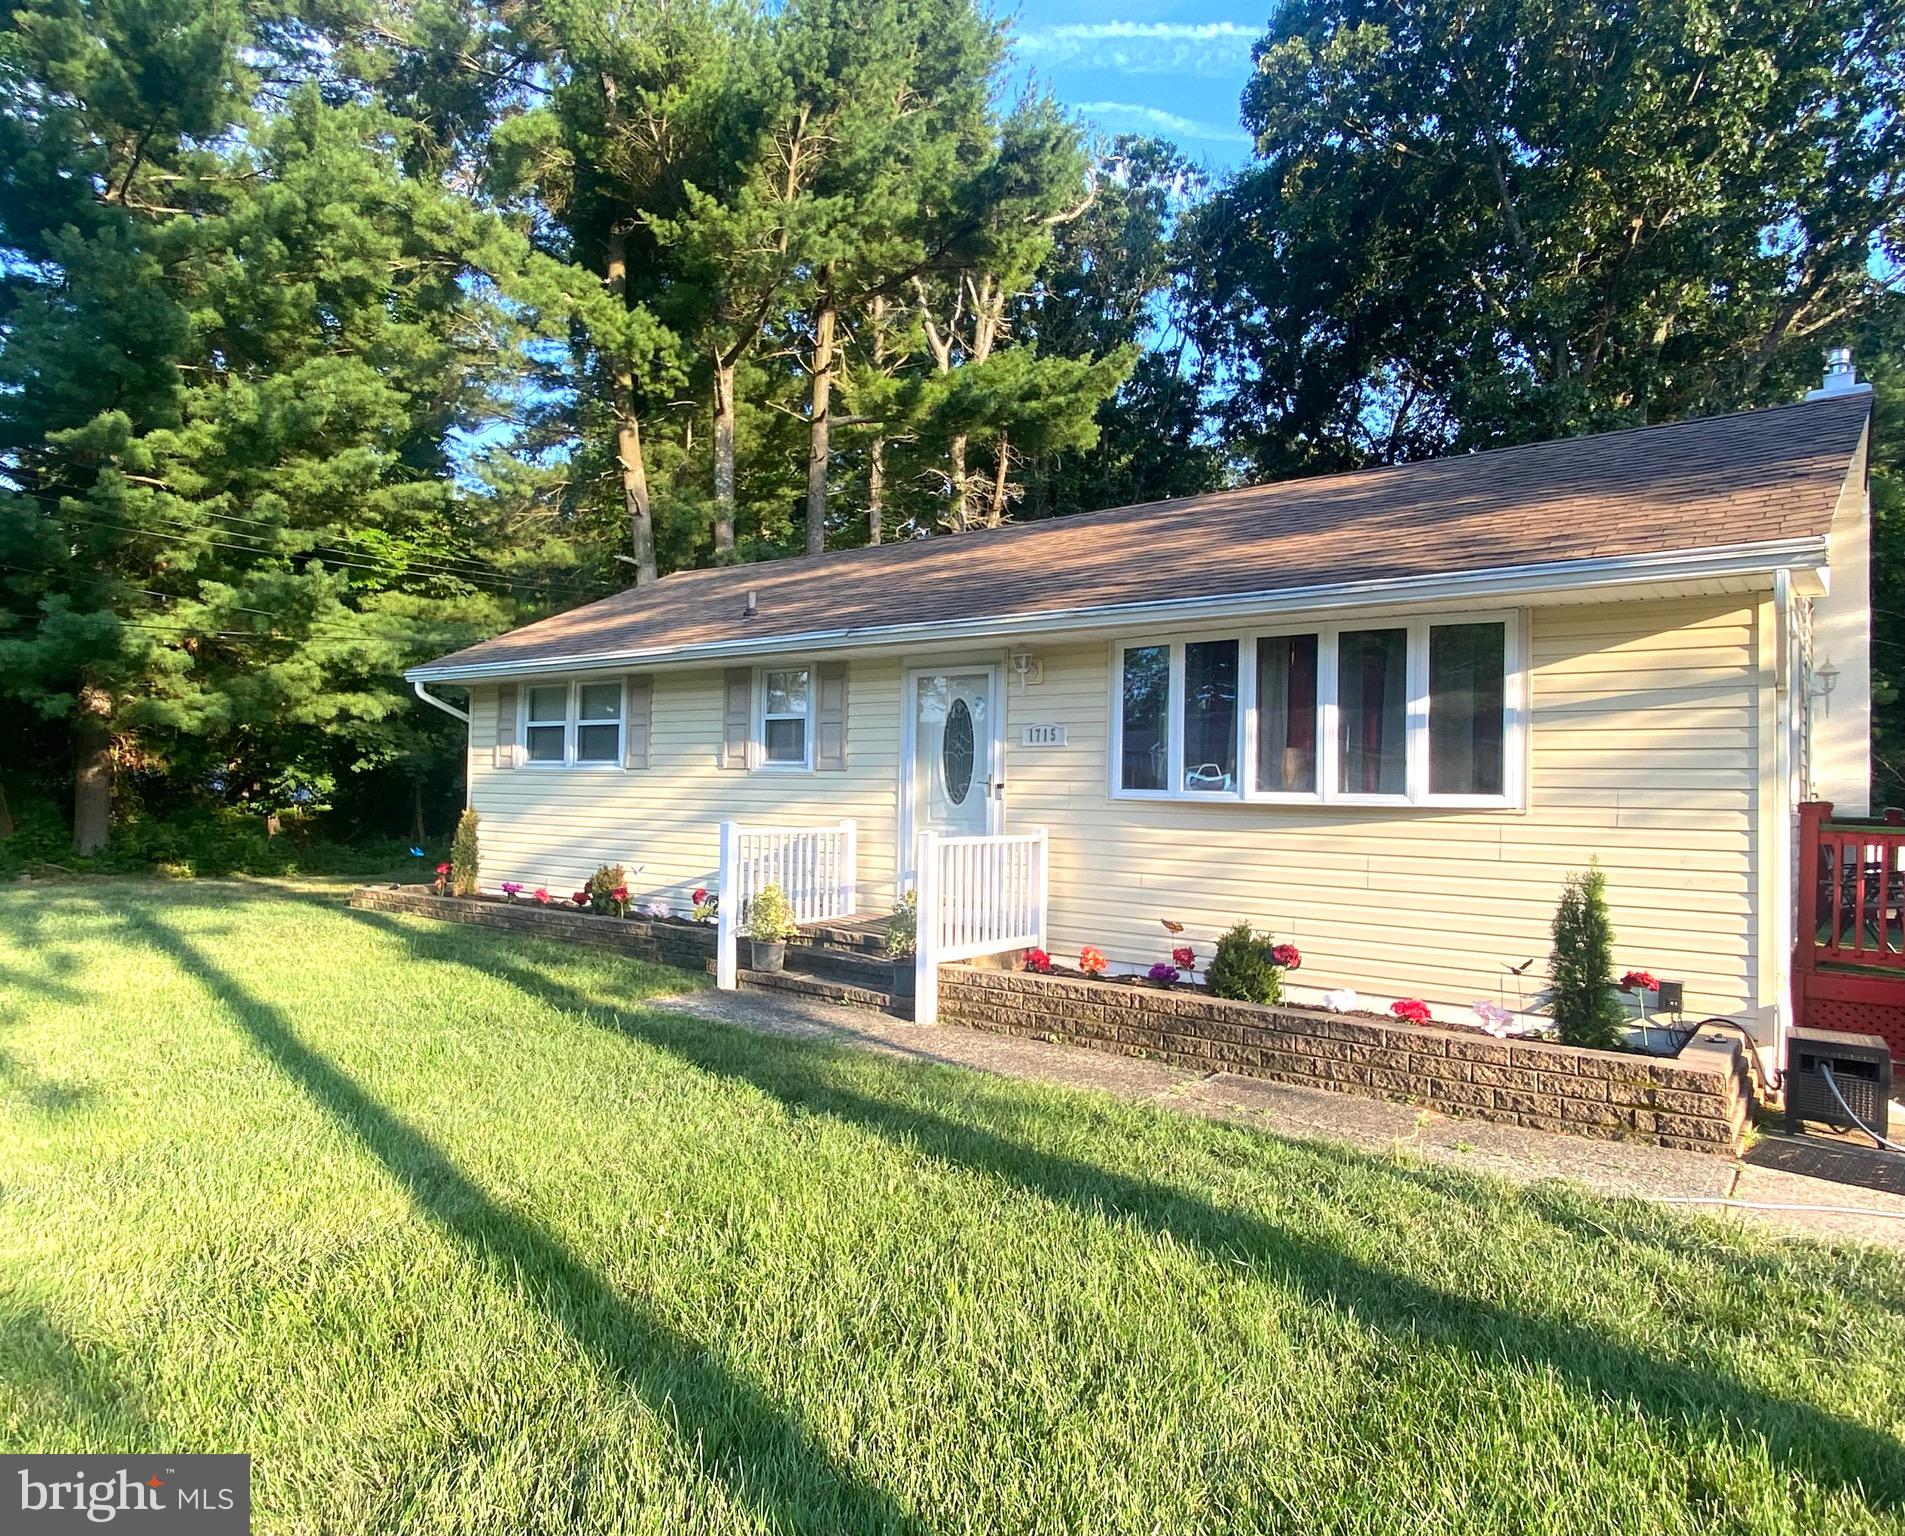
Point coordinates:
[(752, 606), (1841, 377)]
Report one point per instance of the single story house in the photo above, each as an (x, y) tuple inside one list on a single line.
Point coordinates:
[(1382, 714)]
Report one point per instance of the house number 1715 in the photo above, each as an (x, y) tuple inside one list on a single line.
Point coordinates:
[(1042, 736)]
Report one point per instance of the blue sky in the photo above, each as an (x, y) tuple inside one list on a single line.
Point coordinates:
[(1173, 68)]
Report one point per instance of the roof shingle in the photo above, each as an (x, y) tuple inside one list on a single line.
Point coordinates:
[(1746, 478)]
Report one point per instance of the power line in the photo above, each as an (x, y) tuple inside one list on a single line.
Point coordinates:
[(473, 576)]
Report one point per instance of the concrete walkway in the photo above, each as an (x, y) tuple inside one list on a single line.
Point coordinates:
[(1372, 1125)]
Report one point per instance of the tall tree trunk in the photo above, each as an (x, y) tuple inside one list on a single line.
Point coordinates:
[(818, 447), (957, 452), (876, 493), (628, 435), (995, 514), (723, 454), (6, 816), (92, 769)]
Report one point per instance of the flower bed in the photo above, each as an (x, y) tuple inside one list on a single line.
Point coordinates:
[(1697, 1102), (669, 940)]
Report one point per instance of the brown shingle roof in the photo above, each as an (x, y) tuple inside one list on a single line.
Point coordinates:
[(1747, 478)]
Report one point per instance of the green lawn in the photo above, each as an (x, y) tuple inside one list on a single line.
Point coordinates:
[(451, 1233)]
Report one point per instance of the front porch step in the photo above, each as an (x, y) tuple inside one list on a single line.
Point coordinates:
[(859, 935), (855, 967), (821, 989)]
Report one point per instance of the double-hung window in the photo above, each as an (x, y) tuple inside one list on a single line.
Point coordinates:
[(1423, 711), (786, 734), (573, 724)]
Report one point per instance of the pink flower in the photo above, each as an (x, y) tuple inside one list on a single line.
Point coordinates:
[(620, 893), (541, 895), (1411, 1010), (1184, 958), (1036, 960), (443, 868), (1286, 955), (1091, 961)]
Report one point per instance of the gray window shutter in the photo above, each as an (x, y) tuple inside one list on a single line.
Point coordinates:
[(506, 726), (638, 699), (830, 717), (737, 716)]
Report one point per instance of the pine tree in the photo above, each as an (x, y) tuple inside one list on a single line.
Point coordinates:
[(1581, 991)]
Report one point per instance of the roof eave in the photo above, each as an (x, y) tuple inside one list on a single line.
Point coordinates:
[(1497, 582)]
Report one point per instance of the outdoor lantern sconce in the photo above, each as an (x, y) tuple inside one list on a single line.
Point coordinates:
[(1822, 682)]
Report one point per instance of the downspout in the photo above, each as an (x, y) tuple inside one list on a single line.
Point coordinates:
[(1785, 810), (460, 714), (447, 708)]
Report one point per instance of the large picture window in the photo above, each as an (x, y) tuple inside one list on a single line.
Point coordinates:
[(1417, 712)]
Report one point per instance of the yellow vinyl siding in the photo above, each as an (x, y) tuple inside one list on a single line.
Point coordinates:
[(554, 826), (1647, 718), (1644, 749)]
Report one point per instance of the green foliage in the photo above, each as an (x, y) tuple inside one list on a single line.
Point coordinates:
[(196, 841), (1581, 992), (603, 884), (1471, 225), (464, 854), (770, 916), (902, 928), (1241, 967)]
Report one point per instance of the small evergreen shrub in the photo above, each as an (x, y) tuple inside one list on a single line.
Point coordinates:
[(463, 855), (770, 916), (902, 928), (1581, 993), (608, 890), (1242, 968)]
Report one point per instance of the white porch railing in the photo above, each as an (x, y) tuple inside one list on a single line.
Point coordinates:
[(977, 896), (815, 866)]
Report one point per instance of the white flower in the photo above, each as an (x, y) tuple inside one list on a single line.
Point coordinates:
[(657, 909), (1342, 1000), (1493, 1017)]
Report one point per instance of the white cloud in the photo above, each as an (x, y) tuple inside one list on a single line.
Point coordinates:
[(1218, 49), (1134, 115)]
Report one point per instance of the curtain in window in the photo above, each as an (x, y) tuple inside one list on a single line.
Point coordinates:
[(1372, 698), (1286, 714)]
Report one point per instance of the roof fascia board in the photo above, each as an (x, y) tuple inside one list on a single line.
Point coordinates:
[(1498, 582)]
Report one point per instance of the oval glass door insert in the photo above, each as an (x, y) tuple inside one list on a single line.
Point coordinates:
[(956, 752)]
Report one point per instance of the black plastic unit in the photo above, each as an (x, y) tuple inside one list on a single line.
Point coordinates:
[(1861, 1068)]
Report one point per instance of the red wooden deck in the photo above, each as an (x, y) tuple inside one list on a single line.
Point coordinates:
[(1849, 937)]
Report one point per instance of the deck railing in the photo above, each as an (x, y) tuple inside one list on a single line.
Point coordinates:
[(977, 896), (1851, 907), (815, 866)]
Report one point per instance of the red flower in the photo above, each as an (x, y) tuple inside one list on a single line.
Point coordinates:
[(700, 894), (1411, 1010), (1091, 961), (620, 893), (443, 868), (1184, 958), (1286, 955), (581, 898), (1038, 961), (541, 895), (1639, 981)]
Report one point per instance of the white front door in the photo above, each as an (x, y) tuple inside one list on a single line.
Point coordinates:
[(952, 756)]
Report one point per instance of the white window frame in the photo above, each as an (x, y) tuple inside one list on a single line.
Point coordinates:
[(1515, 709), (758, 747), (620, 722), (571, 711)]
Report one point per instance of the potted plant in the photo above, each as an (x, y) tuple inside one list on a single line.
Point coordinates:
[(770, 924), (902, 944)]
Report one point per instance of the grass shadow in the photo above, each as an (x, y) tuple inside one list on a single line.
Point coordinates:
[(1693, 1402), (54, 1376), (757, 1452)]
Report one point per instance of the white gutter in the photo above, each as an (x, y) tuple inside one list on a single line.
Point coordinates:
[(1503, 581), (430, 698)]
